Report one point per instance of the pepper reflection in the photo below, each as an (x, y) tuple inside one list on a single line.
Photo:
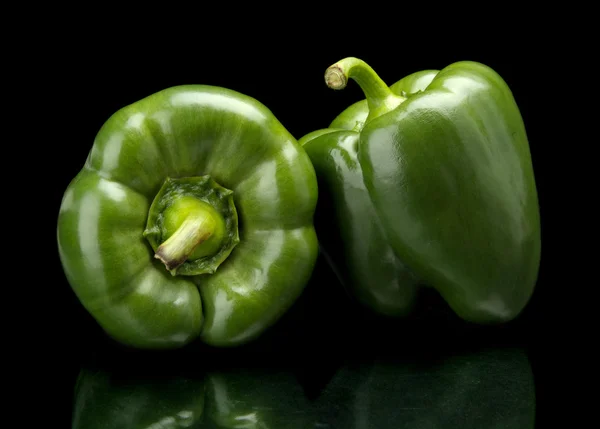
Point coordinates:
[(252, 398), (475, 390), (491, 388)]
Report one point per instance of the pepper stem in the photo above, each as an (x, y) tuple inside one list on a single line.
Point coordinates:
[(192, 225), (380, 97), (195, 229)]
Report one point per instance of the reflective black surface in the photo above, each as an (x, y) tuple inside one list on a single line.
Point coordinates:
[(490, 388), (328, 364)]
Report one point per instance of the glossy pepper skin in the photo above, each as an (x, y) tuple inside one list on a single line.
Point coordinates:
[(191, 218), (429, 183)]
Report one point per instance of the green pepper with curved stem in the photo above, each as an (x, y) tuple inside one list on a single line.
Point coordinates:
[(429, 183), (191, 218)]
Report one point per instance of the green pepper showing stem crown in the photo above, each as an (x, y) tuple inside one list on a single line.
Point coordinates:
[(429, 182), (192, 217)]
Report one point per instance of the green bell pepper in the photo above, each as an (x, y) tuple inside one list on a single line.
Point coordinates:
[(429, 182), (191, 218)]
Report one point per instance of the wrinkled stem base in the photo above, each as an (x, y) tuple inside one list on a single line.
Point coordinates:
[(177, 248)]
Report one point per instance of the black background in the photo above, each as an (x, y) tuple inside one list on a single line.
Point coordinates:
[(94, 79)]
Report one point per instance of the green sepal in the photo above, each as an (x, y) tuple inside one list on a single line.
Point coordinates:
[(205, 189)]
